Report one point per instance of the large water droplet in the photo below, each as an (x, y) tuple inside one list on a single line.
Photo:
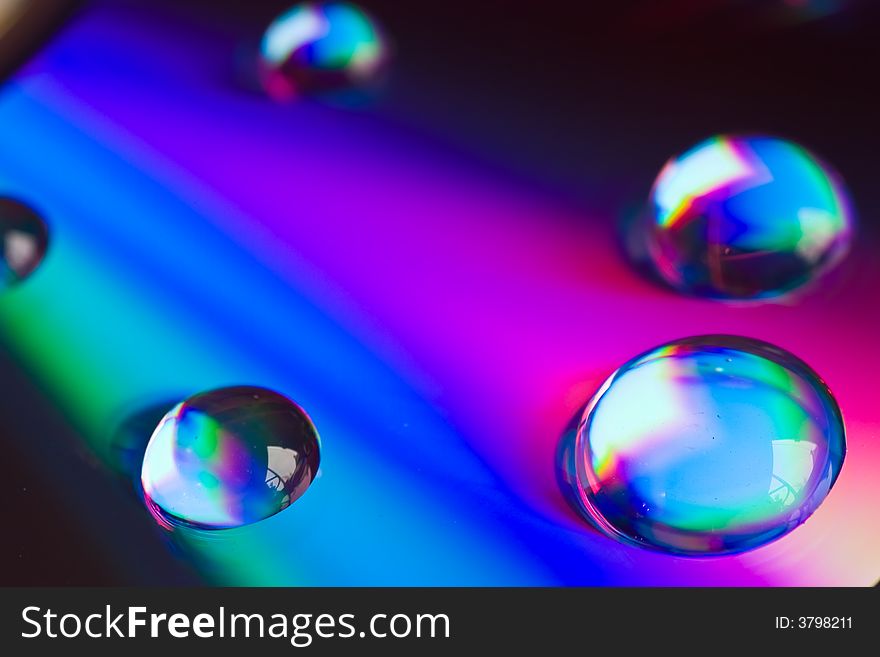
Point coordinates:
[(229, 457), (24, 239), (707, 445), (746, 218), (320, 46)]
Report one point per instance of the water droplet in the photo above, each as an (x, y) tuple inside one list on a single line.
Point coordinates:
[(229, 457), (725, 461), (321, 46), (24, 239), (746, 218)]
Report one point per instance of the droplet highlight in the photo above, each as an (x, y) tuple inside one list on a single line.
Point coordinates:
[(229, 457), (707, 445), (321, 46), (24, 238), (746, 218)]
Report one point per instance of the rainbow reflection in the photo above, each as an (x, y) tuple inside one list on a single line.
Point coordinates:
[(316, 46), (708, 445), (746, 217)]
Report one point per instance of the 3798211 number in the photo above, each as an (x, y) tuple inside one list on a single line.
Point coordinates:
[(825, 622)]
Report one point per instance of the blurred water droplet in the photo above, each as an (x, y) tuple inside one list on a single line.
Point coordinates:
[(319, 47), (24, 238)]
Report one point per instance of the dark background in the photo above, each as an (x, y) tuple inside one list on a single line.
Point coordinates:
[(587, 98)]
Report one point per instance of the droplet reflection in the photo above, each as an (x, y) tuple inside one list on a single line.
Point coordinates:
[(707, 445), (229, 457), (746, 218)]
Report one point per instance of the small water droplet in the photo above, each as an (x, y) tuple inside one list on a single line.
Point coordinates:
[(224, 459), (780, 447), (746, 218), (321, 46), (24, 238)]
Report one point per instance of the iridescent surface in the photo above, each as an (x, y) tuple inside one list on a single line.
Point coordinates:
[(708, 445), (317, 46), (23, 241), (746, 217), (443, 425), (229, 457)]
